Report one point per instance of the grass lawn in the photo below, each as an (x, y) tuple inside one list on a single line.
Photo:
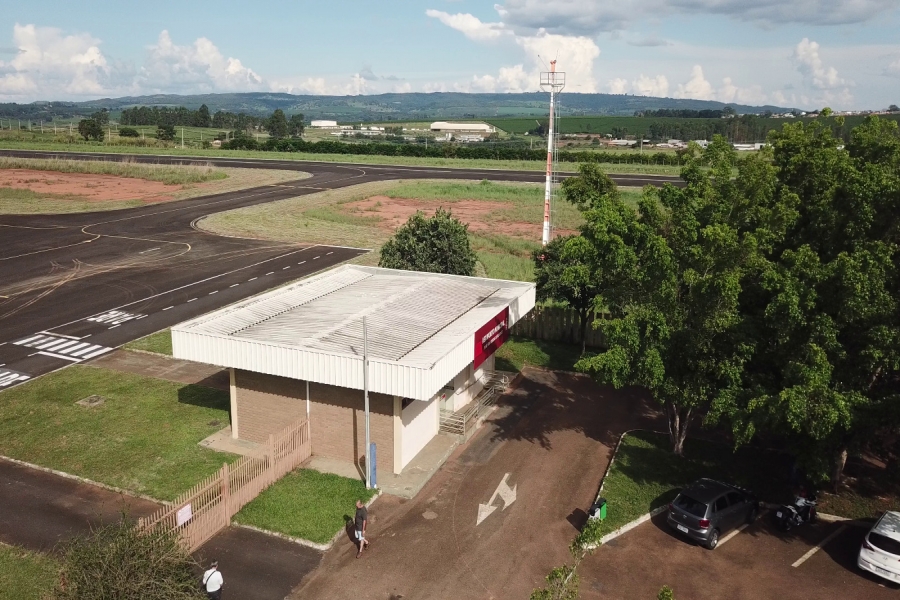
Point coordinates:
[(171, 174), (518, 352), (306, 504), (516, 165), (143, 438), (25, 575), (159, 342), (647, 475)]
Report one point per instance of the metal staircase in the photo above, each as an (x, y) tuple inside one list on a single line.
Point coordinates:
[(465, 420)]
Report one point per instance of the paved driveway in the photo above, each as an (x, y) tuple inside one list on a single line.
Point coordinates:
[(756, 563), (550, 440)]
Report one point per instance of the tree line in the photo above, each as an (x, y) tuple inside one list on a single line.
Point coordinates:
[(682, 113), (468, 151), (768, 302)]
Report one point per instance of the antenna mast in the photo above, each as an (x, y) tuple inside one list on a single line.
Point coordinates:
[(554, 82)]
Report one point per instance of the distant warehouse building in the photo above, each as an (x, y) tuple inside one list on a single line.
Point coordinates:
[(297, 352), (444, 126), (320, 124)]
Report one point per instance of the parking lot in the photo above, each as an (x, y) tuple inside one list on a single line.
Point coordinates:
[(812, 561)]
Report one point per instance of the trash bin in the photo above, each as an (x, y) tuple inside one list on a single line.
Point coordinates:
[(598, 509)]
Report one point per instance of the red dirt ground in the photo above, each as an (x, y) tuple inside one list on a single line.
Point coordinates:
[(477, 213), (93, 188)]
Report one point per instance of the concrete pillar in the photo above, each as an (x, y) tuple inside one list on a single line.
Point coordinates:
[(234, 410), (398, 435)]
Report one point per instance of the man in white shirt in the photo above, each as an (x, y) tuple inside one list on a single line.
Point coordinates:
[(213, 582)]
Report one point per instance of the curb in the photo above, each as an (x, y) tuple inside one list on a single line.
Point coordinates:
[(300, 541), (86, 480)]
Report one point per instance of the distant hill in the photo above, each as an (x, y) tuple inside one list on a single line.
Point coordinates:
[(397, 107)]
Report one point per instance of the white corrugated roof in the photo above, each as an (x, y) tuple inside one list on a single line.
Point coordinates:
[(414, 320)]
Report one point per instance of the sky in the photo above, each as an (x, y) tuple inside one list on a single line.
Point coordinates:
[(795, 53)]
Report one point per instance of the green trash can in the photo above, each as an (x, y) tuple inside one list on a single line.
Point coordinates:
[(598, 509)]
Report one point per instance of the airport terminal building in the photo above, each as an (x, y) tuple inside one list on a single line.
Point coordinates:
[(298, 351)]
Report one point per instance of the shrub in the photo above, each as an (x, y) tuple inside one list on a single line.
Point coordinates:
[(129, 132), (122, 562), (665, 593), (91, 129), (165, 133), (439, 244)]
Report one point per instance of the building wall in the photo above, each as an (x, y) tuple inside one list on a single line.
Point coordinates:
[(420, 425), (268, 403)]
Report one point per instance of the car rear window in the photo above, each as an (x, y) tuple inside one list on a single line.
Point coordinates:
[(884, 543), (690, 506)]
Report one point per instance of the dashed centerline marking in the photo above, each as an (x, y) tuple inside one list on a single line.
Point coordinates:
[(192, 299), (286, 268), (270, 273), (819, 546), (327, 253), (114, 326), (234, 285), (301, 262), (251, 279), (315, 258), (215, 292), (168, 307)]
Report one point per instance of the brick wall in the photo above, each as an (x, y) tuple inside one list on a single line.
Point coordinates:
[(267, 403), (338, 425)]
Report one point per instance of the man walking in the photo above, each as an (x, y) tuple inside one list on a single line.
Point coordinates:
[(361, 520), (213, 582)]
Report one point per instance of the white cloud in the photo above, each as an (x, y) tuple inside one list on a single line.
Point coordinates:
[(199, 67), (809, 63), (650, 86), (697, 87), (617, 86), (470, 26), (575, 55), (893, 68), (591, 16), (46, 61)]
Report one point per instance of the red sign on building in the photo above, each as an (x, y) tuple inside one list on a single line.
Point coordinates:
[(491, 336)]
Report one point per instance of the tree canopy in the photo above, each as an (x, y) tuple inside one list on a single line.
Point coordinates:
[(90, 129), (437, 244), (277, 125)]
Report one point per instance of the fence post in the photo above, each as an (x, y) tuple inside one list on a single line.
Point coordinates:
[(226, 493), (271, 453)]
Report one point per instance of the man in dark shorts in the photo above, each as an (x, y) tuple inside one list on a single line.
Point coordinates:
[(360, 522)]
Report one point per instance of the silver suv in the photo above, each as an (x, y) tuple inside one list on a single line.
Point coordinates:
[(707, 509)]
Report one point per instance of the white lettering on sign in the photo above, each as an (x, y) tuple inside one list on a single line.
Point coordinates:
[(492, 333), (183, 515)]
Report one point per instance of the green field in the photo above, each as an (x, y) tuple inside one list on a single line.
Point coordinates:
[(158, 343), (26, 575), (306, 504), (143, 438)]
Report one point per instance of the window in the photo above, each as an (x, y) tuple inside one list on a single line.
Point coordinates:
[(721, 503), (734, 499), (884, 543), (690, 506)]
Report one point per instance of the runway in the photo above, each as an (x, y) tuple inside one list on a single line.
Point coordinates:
[(75, 286)]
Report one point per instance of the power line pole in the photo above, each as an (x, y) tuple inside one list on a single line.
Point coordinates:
[(554, 82), (366, 397)]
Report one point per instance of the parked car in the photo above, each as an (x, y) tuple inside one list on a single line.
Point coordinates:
[(880, 551), (707, 509)]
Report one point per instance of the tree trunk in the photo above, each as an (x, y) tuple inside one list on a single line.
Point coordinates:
[(840, 460), (583, 316), (679, 419)]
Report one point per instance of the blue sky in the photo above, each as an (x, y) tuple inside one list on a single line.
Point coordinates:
[(804, 53)]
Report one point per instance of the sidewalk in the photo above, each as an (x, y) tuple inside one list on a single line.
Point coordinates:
[(38, 510)]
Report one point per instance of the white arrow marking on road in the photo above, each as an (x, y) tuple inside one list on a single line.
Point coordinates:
[(506, 493)]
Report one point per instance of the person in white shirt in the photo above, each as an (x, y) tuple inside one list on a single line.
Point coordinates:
[(213, 582)]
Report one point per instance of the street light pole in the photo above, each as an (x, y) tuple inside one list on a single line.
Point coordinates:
[(366, 396)]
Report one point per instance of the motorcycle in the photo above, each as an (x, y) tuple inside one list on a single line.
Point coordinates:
[(803, 510)]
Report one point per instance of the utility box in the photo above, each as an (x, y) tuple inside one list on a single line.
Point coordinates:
[(598, 509)]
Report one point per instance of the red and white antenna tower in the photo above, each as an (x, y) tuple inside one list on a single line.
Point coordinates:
[(554, 82)]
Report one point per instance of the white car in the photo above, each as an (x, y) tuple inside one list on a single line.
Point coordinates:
[(880, 551)]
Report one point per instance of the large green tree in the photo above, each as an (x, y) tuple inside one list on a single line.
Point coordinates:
[(438, 244), (277, 125), (823, 313), (203, 119), (90, 129), (675, 326), (295, 125)]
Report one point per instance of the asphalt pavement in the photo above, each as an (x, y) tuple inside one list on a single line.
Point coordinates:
[(75, 286)]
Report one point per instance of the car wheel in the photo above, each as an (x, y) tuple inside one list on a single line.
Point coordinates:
[(752, 516), (713, 540)]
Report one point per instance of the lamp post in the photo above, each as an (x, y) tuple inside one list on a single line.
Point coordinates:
[(366, 396)]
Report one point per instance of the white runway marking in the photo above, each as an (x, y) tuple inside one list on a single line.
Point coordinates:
[(286, 268), (113, 317), (234, 285), (251, 279), (215, 292), (8, 378), (327, 253), (63, 347), (114, 326), (270, 273), (168, 307), (819, 546), (301, 262), (315, 258), (150, 250), (192, 299)]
